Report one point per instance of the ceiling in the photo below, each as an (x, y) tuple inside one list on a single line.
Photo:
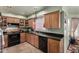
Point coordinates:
[(21, 10), (28, 10), (73, 10)]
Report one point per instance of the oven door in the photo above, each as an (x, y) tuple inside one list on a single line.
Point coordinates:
[(13, 39)]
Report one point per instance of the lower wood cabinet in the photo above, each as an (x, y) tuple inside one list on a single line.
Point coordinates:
[(22, 37), (36, 41), (50, 45), (5, 41), (33, 39), (53, 46), (28, 38)]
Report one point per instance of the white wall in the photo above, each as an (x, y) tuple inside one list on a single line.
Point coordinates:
[(66, 34), (67, 26)]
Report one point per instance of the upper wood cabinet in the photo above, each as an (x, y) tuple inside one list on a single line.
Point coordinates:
[(52, 20), (53, 46), (26, 23), (47, 21), (31, 22), (22, 22), (12, 20)]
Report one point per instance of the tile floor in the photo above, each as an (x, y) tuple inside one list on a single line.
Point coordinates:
[(22, 48)]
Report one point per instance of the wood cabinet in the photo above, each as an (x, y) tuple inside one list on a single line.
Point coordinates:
[(22, 22), (52, 20), (53, 46), (36, 41), (26, 23), (28, 37), (22, 37), (16, 20), (5, 41), (47, 21), (12, 20), (31, 23), (33, 39), (4, 22)]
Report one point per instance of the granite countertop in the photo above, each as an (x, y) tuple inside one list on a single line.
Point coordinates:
[(49, 36), (52, 36), (44, 34)]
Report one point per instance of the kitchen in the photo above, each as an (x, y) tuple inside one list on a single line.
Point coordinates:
[(32, 29)]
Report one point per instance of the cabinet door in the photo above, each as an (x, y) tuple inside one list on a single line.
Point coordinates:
[(22, 22), (31, 23), (26, 23), (47, 21), (28, 38), (52, 20), (32, 39), (36, 41), (22, 37), (55, 21), (10, 20), (53, 46), (16, 20), (6, 41)]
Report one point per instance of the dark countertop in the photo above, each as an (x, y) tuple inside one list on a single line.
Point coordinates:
[(48, 35), (7, 33), (58, 36)]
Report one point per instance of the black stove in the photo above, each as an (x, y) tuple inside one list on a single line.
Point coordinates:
[(13, 38)]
